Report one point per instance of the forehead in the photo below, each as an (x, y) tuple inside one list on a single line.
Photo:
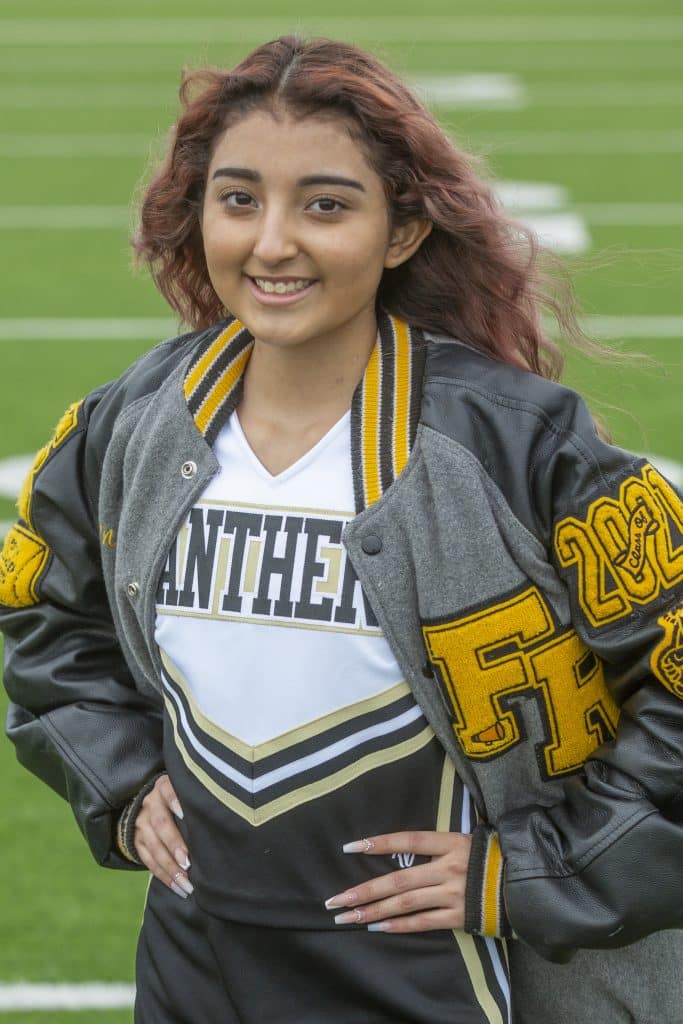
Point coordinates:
[(292, 144)]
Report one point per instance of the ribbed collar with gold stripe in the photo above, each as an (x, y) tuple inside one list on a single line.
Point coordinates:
[(384, 410)]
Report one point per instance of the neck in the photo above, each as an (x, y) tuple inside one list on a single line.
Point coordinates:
[(306, 382)]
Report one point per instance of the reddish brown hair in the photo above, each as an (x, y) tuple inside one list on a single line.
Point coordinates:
[(477, 276)]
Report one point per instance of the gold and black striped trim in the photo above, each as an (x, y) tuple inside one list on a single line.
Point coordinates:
[(385, 409), (125, 827), (485, 912), (213, 383)]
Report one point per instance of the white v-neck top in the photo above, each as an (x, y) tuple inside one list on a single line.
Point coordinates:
[(288, 721), (277, 574)]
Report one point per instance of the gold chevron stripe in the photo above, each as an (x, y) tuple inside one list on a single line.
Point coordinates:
[(304, 794), (293, 736)]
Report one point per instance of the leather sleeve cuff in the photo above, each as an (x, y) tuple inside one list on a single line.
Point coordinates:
[(485, 912), (125, 828)]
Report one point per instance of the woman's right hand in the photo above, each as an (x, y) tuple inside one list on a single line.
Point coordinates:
[(158, 842)]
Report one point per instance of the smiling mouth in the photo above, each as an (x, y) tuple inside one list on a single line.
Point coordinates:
[(281, 287)]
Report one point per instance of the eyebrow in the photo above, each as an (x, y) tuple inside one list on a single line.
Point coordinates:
[(310, 179)]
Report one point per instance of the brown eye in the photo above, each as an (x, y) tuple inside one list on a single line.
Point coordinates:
[(328, 205), (239, 199)]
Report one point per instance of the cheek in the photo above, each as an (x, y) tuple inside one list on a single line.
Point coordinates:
[(222, 243), (360, 259)]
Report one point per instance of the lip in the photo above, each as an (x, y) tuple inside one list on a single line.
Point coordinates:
[(273, 299)]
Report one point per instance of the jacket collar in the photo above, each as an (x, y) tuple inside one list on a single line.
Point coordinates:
[(384, 410)]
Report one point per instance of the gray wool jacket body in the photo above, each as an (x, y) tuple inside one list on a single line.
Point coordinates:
[(479, 554)]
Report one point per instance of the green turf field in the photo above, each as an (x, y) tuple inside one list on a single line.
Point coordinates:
[(594, 107)]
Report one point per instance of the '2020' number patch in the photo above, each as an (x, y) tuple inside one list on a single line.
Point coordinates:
[(626, 550)]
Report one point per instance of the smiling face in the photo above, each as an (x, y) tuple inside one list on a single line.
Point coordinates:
[(297, 231)]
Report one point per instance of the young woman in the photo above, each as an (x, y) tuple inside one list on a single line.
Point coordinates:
[(337, 615)]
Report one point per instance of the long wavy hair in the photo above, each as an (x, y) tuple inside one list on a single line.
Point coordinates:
[(479, 276)]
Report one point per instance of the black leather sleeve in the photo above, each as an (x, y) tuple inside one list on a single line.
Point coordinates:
[(76, 717), (604, 867)]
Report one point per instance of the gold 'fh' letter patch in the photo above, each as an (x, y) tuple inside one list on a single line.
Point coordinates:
[(22, 561), (666, 661), (486, 658)]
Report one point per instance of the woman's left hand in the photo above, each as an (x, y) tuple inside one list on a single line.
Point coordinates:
[(415, 899)]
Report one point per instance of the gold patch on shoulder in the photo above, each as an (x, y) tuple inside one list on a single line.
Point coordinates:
[(667, 658), (66, 426), (22, 561)]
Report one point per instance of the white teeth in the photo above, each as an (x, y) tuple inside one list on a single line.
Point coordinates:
[(281, 287)]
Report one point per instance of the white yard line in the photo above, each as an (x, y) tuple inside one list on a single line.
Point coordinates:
[(157, 63), (460, 91), (87, 95), (618, 327), (465, 29), (577, 142), (87, 329), (521, 198), (632, 214), (61, 218), (83, 996), (571, 143), (158, 328), (75, 146), (603, 94)]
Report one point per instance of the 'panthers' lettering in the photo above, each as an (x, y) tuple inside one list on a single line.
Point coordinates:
[(625, 550), (488, 657), (262, 565)]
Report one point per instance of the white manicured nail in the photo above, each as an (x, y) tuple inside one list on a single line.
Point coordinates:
[(359, 846), (177, 809), (379, 926), (182, 859), (178, 891), (184, 883)]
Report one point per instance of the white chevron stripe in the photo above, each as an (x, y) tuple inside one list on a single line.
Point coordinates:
[(298, 766)]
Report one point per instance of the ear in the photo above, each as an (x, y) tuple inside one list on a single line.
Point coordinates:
[(405, 240)]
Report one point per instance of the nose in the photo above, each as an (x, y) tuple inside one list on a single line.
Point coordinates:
[(275, 238)]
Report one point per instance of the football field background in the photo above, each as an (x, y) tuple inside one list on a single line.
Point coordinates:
[(578, 109)]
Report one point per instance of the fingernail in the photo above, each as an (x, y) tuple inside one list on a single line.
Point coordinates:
[(341, 899), (185, 884), (178, 891), (182, 859), (379, 926), (359, 846), (177, 809), (350, 917)]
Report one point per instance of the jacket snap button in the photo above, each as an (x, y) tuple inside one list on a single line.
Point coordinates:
[(188, 469), (133, 589), (371, 544)]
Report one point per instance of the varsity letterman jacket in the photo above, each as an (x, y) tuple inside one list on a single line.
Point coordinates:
[(523, 571)]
